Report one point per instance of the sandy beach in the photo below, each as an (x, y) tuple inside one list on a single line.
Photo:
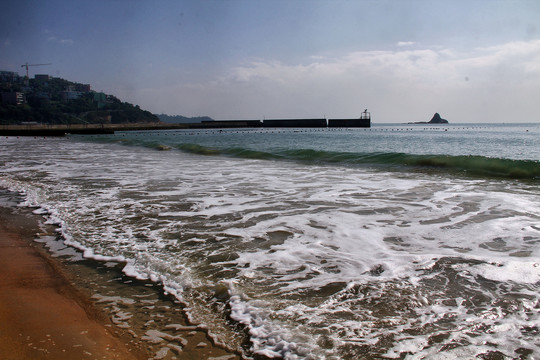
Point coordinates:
[(44, 314)]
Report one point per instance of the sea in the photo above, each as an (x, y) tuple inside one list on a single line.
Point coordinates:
[(397, 241)]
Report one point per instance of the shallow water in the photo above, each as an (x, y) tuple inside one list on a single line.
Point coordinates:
[(395, 241)]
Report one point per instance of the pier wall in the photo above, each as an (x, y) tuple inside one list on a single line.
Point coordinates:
[(295, 123), (221, 124), (349, 123)]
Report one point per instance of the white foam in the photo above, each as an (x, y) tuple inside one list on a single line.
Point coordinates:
[(267, 339), (278, 229), (523, 272)]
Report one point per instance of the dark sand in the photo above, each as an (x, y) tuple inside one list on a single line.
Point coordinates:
[(49, 310)]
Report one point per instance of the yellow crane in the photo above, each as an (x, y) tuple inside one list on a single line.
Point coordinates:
[(27, 65)]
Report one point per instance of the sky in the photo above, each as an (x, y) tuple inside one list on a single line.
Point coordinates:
[(471, 61)]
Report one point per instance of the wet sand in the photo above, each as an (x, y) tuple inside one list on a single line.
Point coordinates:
[(51, 311), (42, 316)]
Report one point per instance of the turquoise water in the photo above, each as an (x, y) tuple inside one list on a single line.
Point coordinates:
[(511, 151), (399, 241)]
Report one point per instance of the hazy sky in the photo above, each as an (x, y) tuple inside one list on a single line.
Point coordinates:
[(469, 60)]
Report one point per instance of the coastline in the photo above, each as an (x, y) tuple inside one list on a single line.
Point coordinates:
[(56, 305)]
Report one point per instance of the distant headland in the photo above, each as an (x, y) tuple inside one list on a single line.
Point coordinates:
[(179, 119), (48, 100), (436, 119)]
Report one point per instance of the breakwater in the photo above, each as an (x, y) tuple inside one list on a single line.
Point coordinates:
[(63, 129)]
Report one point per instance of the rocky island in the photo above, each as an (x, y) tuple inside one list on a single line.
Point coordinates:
[(436, 119)]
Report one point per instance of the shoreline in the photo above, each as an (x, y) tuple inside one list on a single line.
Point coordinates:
[(57, 305), (41, 314)]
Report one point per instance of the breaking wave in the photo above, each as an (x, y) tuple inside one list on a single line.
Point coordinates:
[(472, 165)]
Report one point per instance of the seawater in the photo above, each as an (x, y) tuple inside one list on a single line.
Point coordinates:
[(399, 241)]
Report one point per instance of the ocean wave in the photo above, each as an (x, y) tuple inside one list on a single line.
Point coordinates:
[(471, 165)]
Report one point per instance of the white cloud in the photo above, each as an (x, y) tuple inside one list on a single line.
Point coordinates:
[(403, 85), (405, 43), (54, 39), (66, 42)]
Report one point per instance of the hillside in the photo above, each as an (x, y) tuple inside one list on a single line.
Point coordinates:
[(49, 100)]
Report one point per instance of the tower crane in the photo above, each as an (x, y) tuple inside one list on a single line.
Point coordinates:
[(27, 65)]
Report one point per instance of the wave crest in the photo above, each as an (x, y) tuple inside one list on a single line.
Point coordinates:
[(472, 165)]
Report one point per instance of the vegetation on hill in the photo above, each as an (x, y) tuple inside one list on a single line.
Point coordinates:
[(59, 101)]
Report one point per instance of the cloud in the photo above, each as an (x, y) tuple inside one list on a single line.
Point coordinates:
[(67, 42), (522, 55), (405, 43), (402, 85), (425, 66)]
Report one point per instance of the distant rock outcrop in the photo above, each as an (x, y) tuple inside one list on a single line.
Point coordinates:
[(436, 119)]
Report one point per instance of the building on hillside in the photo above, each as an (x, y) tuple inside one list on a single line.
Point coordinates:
[(42, 77), (75, 91), (10, 77), (13, 98), (84, 88), (71, 95), (42, 95), (101, 99)]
